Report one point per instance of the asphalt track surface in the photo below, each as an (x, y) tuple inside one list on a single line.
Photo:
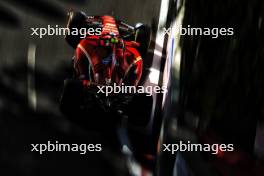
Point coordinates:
[(25, 120)]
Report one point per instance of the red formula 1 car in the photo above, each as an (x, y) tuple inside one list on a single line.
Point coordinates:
[(111, 56)]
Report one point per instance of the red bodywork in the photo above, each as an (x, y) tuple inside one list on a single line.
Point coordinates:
[(110, 62)]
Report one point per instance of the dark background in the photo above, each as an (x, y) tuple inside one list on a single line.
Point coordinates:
[(221, 81)]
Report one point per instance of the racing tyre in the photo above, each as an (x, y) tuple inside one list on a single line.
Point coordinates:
[(139, 110), (71, 98), (143, 36), (75, 20)]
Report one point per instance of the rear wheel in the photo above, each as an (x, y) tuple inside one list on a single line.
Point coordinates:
[(139, 109), (71, 98), (81, 106)]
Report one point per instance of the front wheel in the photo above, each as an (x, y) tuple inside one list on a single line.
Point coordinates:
[(143, 37)]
